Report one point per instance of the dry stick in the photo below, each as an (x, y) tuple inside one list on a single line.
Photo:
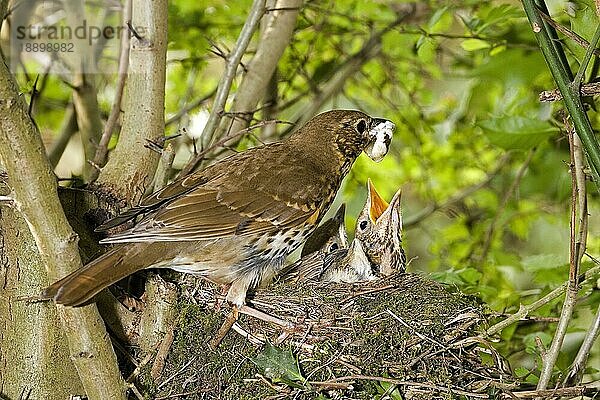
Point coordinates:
[(113, 117), (165, 164), (568, 33), (570, 392), (509, 193), (407, 383), (575, 373), (588, 277), (577, 249), (233, 60), (235, 135), (189, 107), (587, 89)]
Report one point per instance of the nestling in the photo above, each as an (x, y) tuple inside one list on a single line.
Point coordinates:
[(379, 228)]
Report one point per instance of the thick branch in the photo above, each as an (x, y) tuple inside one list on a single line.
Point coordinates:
[(131, 166), (34, 185)]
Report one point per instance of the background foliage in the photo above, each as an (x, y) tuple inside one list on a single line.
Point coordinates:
[(483, 165)]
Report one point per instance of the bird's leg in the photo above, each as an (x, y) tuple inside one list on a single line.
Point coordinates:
[(219, 303), (236, 295)]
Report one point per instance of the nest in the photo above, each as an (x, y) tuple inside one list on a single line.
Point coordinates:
[(402, 337)]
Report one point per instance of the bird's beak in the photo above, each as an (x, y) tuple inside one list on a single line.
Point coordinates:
[(377, 205), (339, 217), (395, 208), (380, 136)]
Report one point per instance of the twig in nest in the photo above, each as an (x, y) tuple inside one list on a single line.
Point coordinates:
[(397, 318), (223, 330), (253, 312), (180, 370), (247, 335), (163, 352)]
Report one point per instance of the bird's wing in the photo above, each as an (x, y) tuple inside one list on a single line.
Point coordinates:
[(208, 213), (260, 190), (173, 190)]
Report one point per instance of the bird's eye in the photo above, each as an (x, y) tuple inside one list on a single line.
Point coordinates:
[(362, 225), (333, 246), (361, 126)]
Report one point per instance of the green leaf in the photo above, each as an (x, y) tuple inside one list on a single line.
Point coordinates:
[(475, 44), (279, 365), (470, 275), (517, 132)]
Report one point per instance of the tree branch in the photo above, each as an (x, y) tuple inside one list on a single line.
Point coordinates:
[(578, 367), (588, 277), (31, 178), (67, 128), (274, 38), (102, 149), (130, 168), (85, 98), (577, 249), (561, 72), (233, 60)]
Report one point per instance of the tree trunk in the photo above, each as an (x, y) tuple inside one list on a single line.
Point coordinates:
[(34, 356)]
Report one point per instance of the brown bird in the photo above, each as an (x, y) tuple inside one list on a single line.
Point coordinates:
[(379, 228), (236, 221)]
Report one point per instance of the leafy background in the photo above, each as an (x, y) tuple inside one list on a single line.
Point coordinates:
[(483, 165)]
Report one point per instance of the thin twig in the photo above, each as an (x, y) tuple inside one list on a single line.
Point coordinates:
[(587, 89), (408, 383), (67, 128), (578, 367), (458, 197), (507, 195), (568, 33), (161, 177), (256, 13), (227, 138), (577, 243), (588, 277), (570, 392), (115, 112), (586, 60)]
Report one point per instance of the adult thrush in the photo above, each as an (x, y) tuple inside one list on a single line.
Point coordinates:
[(237, 220), (379, 228)]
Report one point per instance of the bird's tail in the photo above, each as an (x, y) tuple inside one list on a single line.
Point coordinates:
[(80, 286)]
